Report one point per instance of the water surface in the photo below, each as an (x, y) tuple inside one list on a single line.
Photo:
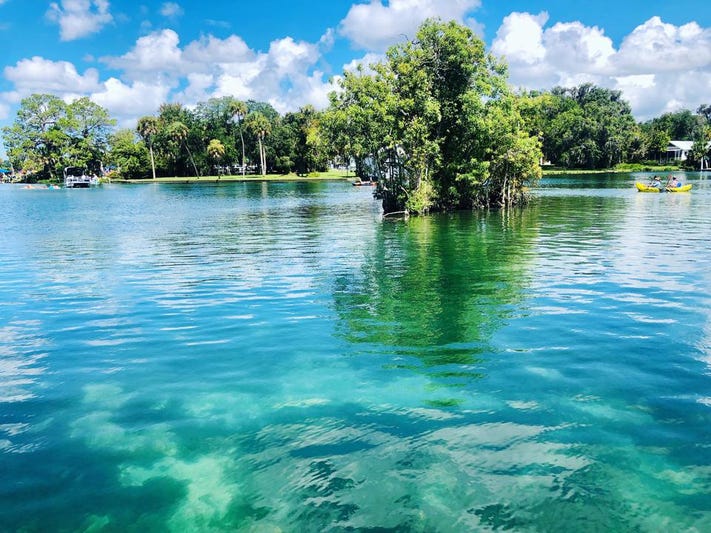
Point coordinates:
[(278, 357)]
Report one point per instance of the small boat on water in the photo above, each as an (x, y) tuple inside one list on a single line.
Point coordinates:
[(360, 183), (641, 187), (76, 178)]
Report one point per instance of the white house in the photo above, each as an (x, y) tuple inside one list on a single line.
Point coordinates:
[(679, 150)]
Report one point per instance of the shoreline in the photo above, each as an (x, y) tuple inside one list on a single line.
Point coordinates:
[(561, 172), (324, 176)]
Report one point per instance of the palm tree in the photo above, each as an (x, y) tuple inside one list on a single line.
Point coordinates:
[(147, 128), (260, 126), (238, 110), (179, 133), (215, 150)]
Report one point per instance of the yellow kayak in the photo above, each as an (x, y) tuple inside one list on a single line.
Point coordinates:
[(641, 187)]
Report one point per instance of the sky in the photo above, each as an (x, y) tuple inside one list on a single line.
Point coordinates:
[(131, 57)]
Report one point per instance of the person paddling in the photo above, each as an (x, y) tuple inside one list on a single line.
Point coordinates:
[(673, 183)]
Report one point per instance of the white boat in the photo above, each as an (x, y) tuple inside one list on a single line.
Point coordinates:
[(76, 178)]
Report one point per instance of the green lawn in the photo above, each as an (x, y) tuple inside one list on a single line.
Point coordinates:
[(314, 176)]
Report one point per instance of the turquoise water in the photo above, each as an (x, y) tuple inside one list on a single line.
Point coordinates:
[(277, 357)]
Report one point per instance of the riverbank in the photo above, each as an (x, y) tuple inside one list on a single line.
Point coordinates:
[(330, 175), (620, 169)]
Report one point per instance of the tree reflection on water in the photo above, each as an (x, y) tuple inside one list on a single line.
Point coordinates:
[(434, 290)]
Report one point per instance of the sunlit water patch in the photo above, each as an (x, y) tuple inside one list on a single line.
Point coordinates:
[(278, 357)]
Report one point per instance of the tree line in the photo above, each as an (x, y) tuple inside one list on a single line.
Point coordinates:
[(590, 127), (434, 123)]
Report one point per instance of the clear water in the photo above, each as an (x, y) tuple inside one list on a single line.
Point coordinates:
[(277, 357)]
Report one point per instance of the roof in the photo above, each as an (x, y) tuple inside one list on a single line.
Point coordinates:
[(681, 145)]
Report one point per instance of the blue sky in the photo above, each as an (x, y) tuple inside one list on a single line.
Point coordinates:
[(131, 57)]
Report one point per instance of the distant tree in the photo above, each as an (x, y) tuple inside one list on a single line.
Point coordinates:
[(656, 140), (37, 141), (181, 140), (49, 135), (539, 110), (260, 127), (215, 150), (89, 127), (357, 123), (583, 127), (128, 157), (680, 126), (263, 108), (705, 111), (701, 150), (179, 133), (148, 128), (305, 147), (238, 110)]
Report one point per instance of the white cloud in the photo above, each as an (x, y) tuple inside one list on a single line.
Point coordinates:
[(199, 88), (312, 90), (578, 48), (565, 54), (171, 10), (284, 76), (154, 54), (129, 102), (289, 57), (653, 94), (79, 18), (520, 38), (61, 78), (375, 26), (210, 49), (656, 46), (659, 67), (39, 75)]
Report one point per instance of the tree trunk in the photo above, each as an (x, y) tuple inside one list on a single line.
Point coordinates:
[(197, 174), (153, 162), (261, 156), (241, 138)]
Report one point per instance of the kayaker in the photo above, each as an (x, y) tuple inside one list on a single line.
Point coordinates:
[(656, 181)]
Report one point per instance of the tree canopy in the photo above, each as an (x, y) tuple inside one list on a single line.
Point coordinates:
[(582, 127), (435, 124), (49, 135)]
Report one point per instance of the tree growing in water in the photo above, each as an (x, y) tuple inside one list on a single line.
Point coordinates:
[(436, 125)]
